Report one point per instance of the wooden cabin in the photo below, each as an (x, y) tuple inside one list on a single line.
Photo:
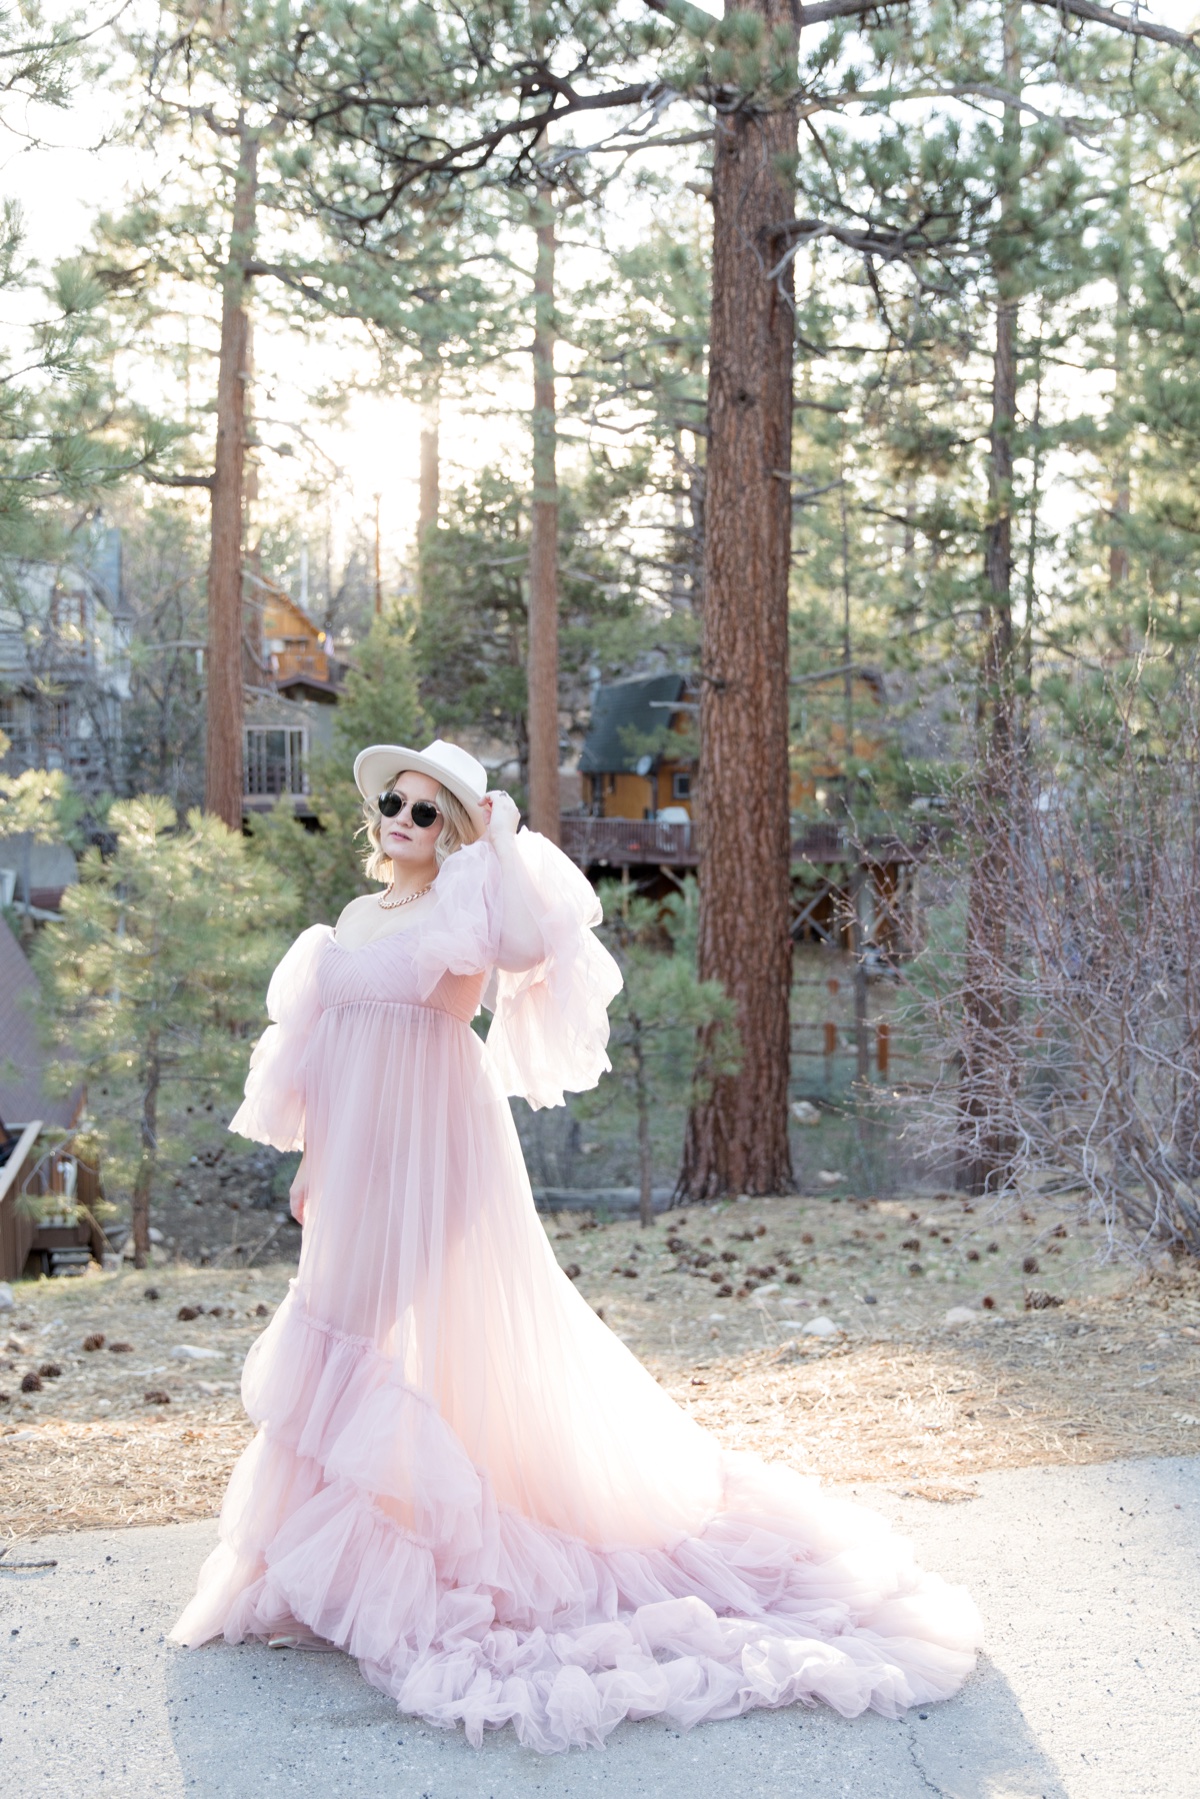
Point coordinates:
[(640, 815), (295, 652), (629, 766), (47, 1192), (289, 714), (638, 759)]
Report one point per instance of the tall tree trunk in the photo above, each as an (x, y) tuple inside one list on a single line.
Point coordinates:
[(430, 500), (223, 749), (985, 1068), (144, 1179), (1118, 549), (543, 541), (737, 1138)]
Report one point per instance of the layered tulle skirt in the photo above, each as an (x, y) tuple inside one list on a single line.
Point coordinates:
[(460, 1475)]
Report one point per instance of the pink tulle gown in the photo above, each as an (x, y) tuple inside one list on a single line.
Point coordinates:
[(460, 1475)]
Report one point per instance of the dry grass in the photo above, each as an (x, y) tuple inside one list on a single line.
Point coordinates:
[(899, 1396)]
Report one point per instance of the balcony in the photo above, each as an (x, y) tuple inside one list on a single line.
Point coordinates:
[(632, 843)]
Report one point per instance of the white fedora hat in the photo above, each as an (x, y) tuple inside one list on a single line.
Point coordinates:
[(448, 763)]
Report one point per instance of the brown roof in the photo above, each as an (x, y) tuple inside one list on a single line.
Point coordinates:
[(22, 1058)]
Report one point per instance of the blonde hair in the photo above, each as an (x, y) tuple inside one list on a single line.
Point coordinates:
[(458, 829)]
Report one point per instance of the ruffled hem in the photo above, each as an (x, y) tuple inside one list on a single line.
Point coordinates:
[(357, 1513)]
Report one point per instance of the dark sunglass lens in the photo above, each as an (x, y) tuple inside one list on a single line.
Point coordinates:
[(390, 803), (424, 813)]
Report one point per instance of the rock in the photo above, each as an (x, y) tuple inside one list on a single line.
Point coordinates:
[(804, 1112), (821, 1327), (154, 1235), (189, 1352), (766, 1292), (828, 1177), (7, 1302), (961, 1315)]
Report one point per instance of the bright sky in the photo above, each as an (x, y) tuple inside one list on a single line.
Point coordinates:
[(63, 185)]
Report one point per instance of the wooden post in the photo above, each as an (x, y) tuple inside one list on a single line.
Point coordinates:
[(223, 742), (543, 540), (862, 1047)]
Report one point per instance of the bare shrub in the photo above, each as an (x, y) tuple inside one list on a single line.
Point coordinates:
[(1084, 1063)]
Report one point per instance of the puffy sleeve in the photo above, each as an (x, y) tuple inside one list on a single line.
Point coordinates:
[(462, 934), (273, 1109), (549, 1028)]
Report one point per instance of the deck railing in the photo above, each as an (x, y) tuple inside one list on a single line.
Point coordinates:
[(626, 842), (592, 842)]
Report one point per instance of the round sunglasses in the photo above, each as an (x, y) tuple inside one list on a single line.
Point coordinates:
[(422, 812)]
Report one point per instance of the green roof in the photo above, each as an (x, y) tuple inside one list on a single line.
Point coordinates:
[(621, 709)]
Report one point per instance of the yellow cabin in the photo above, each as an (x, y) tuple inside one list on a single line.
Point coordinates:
[(295, 652), (629, 766)]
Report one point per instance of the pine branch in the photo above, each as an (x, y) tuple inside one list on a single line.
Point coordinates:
[(180, 480), (1130, 24)]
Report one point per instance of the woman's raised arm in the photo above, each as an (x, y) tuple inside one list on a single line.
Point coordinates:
[(521, 943)]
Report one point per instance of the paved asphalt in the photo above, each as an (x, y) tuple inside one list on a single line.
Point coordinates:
[(1087, 1579)]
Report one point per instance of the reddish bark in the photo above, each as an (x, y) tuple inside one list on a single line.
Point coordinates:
[(543, 544), (737, 1137), (223, 747)]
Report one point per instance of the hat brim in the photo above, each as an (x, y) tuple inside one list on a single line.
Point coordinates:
[(382, 762)]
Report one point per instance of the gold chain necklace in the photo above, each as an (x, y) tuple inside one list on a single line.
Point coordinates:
[(394, 905)]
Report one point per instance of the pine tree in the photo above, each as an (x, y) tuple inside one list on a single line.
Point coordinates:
[(673, 1035), (153, 984)]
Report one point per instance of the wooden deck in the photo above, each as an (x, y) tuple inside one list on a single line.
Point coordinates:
[(646, 843)]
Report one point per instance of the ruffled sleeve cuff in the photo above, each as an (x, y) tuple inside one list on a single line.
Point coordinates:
[(273, 1109), (549, 1029)]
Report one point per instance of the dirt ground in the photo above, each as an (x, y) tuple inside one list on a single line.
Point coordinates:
[(143, 1426)]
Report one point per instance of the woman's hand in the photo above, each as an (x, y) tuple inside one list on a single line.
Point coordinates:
[(503, 816)]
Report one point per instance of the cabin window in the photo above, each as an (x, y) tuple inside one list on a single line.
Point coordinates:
[(14, 716), (275, 760), (681, 784)]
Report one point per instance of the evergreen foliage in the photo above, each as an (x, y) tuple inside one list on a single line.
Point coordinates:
[(672, 1033), (153, 983)]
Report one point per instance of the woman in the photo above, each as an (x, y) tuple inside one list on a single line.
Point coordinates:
[(460, 1475)]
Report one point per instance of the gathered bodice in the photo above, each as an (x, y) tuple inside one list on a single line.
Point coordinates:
[(385, 972)]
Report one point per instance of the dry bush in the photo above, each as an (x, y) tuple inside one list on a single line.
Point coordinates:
[(1067, 1028)]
